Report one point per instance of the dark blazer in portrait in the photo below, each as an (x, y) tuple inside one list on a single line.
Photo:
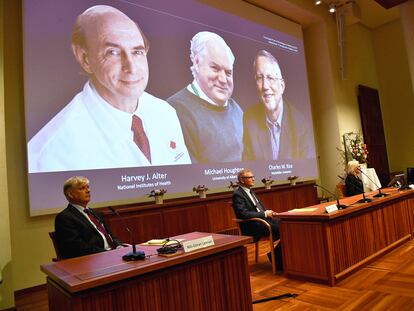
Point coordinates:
[(296, 139), (76, 236), (245, 209)]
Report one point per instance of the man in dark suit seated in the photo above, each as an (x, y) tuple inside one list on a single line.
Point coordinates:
[(79, 229), (247, 205)]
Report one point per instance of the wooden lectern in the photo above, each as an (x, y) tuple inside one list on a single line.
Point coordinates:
[(212, 278)]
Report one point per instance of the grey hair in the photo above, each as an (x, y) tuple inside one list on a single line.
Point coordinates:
[(74, 182), (93, 13), (198, 46), (242, 173), (351, 166), (269, 56)]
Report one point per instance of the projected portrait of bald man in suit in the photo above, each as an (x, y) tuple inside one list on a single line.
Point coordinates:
[(210, 118), (112, 122), (273, 128)]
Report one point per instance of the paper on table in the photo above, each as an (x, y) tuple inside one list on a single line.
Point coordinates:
[(162, 242), (157, 241), (305, 209)]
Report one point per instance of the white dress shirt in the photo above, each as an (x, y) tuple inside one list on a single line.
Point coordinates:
[(89, 133)]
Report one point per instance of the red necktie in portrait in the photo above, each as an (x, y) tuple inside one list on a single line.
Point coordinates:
[(140, 138)]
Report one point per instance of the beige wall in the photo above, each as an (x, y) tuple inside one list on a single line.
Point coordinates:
[(5, 249), (29, 242), (375, 58), (362, 70), (322, 80), (396, 95)]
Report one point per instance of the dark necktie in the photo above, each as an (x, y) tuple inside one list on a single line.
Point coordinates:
[(100, 227), (140, 138), (258, 205)]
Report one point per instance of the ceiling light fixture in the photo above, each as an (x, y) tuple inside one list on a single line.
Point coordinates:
[(318, 2), (332, 8)]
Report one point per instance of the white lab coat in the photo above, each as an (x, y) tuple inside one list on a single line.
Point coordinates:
[(91, 134)]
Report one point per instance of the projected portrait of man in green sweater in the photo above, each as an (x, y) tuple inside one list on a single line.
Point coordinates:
[(212, 122)]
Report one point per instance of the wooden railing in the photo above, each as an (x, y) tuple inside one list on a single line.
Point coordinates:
[(213, 214)]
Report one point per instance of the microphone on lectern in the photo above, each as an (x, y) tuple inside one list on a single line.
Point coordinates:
[(134, 255), (379, 194), (338, 205), (364, 199)]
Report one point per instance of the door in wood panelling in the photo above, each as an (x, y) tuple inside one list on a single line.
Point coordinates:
[(373, 130)]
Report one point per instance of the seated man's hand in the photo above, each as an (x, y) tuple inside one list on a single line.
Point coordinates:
[(269, 213)]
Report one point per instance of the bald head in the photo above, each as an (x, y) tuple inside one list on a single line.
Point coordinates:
[(112, 51), (92, 19)]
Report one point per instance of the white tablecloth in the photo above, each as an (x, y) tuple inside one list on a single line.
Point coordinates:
[(374, 183)]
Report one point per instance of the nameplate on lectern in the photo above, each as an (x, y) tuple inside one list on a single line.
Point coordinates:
[(331, 208), (199, 243)]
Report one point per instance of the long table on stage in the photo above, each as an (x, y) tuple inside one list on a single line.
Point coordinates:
[(327, 247), (212, 278)]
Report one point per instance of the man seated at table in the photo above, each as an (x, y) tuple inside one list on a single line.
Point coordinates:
[(247, 205), (81, 230)]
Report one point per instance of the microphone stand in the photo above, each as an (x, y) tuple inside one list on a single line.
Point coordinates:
[(364, 199), (379, 194), (338, 205), (134, 255)]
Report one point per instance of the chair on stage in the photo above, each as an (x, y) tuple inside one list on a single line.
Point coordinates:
[(341, 190), (272, 243), (410, 175), (52, 236)]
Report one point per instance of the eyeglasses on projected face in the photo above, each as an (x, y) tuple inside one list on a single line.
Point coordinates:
[(269, 79), (248, 177)]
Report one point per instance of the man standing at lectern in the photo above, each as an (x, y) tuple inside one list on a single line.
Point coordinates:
[(112, 122), (80, 230), (247, 205), (273, 128)]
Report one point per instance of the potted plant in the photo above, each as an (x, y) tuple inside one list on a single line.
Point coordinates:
[(267, 182), (358, 149), (158, 195), (201, 190), (292, 180), (233, 185)]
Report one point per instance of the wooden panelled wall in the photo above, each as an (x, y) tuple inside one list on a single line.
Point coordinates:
[(213, 214)]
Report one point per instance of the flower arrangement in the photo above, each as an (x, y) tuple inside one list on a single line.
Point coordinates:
[(267, 182), (292, 179), (157, 192), (201, 190), (357, 148), (158, 195)]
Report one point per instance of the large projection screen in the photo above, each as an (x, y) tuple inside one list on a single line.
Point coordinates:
[(52, 77)]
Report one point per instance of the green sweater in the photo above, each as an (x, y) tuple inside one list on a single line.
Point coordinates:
[(211, 133)]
